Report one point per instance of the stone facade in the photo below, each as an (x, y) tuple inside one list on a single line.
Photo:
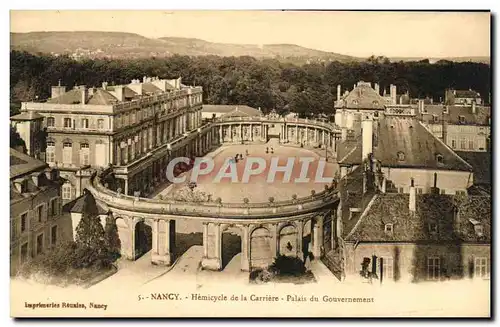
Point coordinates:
[(116, 125), (37, 222)]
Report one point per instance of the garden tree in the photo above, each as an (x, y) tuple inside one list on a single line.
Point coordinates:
[(16, 141), (113, 243), (269, 84), (89, 232)]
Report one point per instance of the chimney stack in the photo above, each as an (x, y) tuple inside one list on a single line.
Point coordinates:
[(344, 133), (420, 106), (377, 88), (393, 93), (413, 197), (58, 90), (367, 136), (85, 93), (473, 107), (339, 89)]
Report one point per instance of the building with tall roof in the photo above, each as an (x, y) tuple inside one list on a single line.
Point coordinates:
[(402, 148), (36, 219), (127, 126), (362, 101), (461, 127), (414, 237), (462, 97), (210, 111)]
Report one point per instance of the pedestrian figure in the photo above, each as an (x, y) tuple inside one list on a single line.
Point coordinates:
[(272, 150), (267, 150), (246, 152)]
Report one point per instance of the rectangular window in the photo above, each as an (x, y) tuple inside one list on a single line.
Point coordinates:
[(39, 244), (53, 207), (471, 144), (39, 213), (401, 190), (51, 122), (67, 122), (453, 144), (24, 222), (387, 267), (84, 154), (435, 118), (67, 153), (66, 192), (463, 143), (420, 190), (443, 191), (24, 252), (85, 123), (100, 124), (53, 235), (481, 268), (433, 268)]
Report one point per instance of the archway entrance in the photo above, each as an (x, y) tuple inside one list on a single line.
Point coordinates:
[(143, 239), (307, 238), (231, 246), (288, 241), (261, 255)]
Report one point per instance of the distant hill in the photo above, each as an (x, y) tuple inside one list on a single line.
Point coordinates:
[(484, 60), (93, 44)]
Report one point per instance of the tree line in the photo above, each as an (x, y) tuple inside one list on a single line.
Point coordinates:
[(269, 83)]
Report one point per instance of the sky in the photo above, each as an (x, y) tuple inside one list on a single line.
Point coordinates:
[(392, 34)]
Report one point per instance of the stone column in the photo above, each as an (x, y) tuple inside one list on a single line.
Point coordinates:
[(307, 136), (297, 134), (125, 191), (213, 260), (317, 237), (205, 240), (273, 229), (126, 227), (118, 154), (300, 232), (245, 249), (221, 140), (163, 242)]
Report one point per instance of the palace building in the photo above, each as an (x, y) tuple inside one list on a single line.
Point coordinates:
[(127, 126)]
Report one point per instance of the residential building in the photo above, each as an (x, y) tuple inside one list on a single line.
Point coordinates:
[(210, 111), (128, 127), (462, 97), (462, 128), (36, 219), (415, 238), (402, 148)]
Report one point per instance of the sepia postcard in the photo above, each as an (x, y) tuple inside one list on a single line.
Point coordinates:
[(250, 164)]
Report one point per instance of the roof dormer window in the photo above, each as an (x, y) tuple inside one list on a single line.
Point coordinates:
[(388, 228), (401, 156), (433, 228), (478, 229), (439, 159), (461, 119), (355, 101), (375, 103), (435, 118)]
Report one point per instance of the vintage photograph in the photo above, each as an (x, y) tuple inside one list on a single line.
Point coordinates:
[(277, 163)]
